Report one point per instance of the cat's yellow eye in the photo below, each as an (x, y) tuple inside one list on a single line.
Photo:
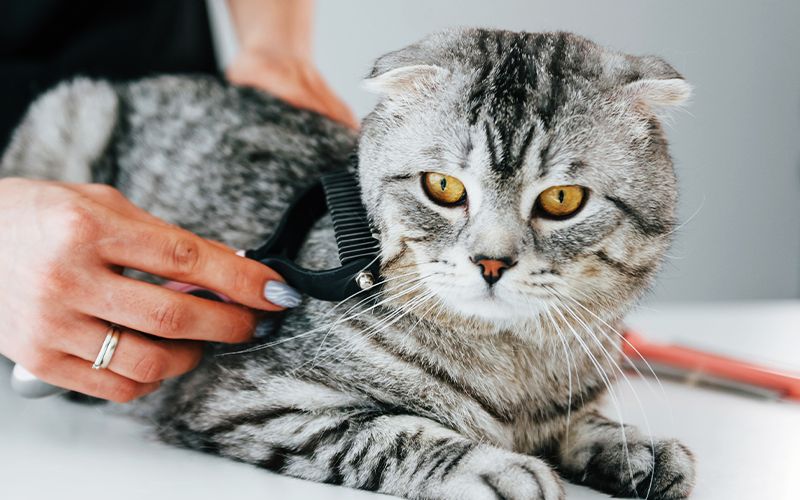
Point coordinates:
[(561, 201), (444, 189)]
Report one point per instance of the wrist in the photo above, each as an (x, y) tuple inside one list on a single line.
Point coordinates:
[(262, 57), (266, 69), (276, 49)]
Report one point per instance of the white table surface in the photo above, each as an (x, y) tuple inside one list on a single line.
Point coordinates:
[(746, 448)]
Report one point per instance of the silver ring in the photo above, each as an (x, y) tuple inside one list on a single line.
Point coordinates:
[(107, 349)]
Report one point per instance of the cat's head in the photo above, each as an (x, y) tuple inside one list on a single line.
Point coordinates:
[(515, 172)]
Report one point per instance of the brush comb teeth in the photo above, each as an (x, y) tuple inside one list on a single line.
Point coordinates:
[(359, 251), (351, 226)]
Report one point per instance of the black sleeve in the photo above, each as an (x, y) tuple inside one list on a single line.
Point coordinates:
[(45, 41)]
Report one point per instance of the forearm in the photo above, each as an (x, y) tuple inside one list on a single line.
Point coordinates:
[(270, 26), (275, 55)]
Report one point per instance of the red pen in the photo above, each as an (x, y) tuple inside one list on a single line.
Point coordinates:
[(703, 367)]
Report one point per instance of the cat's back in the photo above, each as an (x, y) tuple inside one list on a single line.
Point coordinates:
[(219, 160)]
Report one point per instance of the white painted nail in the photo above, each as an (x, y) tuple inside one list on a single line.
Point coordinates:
[(282, 294)]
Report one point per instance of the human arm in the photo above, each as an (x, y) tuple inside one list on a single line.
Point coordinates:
[(275, 55)]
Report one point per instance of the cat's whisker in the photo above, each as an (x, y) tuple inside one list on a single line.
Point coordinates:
[(439, 311), (553, 322), (410, 307), (618, 347), (378, 283), (425, 313), (366, 299), (413, 264), (606, 381), (622, 352), (614, 363), (560, 335), (338, 320), (384, 323), (415, 284), (321, 328), (419, 284), (638, 372), (369, 297), (599, 299), (406, 308)]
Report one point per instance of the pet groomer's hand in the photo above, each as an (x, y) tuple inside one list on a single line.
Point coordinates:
[(275, 56), (62, 251)]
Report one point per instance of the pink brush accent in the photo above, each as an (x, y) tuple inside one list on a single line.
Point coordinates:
[(187, 288)]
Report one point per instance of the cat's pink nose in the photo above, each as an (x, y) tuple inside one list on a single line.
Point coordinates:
[(492, 267)]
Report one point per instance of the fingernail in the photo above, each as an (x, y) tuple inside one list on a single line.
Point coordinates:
[(281, 294)]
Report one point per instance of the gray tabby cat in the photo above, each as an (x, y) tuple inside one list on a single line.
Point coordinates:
[(478, 370)]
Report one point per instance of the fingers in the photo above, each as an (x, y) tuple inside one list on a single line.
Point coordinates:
[(182, 256), (137, 357), (132, 238), (158, 311), (76, 374)]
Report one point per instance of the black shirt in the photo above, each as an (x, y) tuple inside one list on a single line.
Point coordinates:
[(45, 41)]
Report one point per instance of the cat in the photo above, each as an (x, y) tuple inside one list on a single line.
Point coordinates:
[(522, 190)]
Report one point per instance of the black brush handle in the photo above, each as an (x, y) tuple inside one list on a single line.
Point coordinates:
[(306, 209), (358, 249), (331, 284)]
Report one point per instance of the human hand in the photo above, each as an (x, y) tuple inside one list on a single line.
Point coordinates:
[(62, 251), (294, 79)]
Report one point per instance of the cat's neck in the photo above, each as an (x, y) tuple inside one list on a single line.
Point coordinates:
[(469, 345)]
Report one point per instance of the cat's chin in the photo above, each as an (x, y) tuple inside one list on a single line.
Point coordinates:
[(493, 310)]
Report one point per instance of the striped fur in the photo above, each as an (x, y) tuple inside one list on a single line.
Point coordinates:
[(437, 387)]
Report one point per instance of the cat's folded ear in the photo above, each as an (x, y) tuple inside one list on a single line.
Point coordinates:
[(405, 72), (657, 87), (405, 80)]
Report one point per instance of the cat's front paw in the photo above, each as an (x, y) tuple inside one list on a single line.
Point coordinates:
[(663, 470), (489, 473)]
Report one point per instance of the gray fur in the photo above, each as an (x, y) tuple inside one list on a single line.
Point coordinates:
[(442, 387)]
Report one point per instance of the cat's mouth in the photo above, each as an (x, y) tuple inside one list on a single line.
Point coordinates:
[(518, 293), (499, 303)]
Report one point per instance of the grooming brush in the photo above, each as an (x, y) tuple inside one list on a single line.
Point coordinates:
[(359, 251)]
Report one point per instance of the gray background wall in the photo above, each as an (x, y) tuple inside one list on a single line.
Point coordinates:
[(736, 148)]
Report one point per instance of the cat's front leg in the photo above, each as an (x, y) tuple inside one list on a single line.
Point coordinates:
[(415, 457), (601, 454), (401, 455)]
